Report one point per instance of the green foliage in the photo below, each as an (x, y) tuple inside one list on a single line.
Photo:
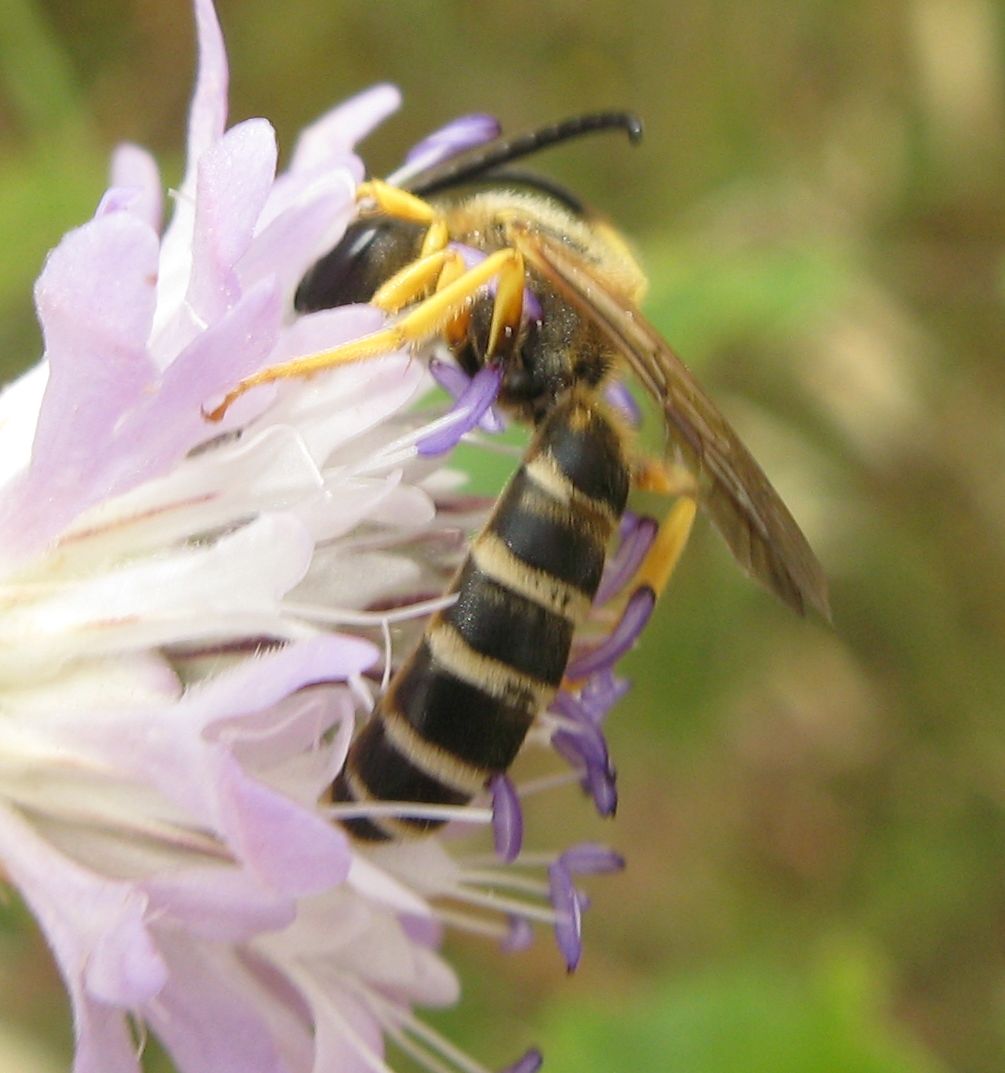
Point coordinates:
[(757, 1018)]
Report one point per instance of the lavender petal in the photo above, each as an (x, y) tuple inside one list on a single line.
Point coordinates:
[(459, 134)]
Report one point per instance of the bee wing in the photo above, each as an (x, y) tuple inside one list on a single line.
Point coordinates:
[(733, 489)]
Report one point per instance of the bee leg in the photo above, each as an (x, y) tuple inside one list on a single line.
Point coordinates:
[(399, 290), (393, 201), (665, 551), (508, 307), (651, 474), (426, 320), (666, 478), (413, 282)]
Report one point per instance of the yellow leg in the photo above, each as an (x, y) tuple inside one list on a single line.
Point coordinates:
[(659, 475), (666, 549), (427, 319), (417, 279), (508, 308), (396, 202), (437, 237)]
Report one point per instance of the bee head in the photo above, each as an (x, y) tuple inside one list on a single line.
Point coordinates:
[(372, 249)]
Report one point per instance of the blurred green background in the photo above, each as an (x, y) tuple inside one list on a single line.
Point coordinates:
[(813, 817)]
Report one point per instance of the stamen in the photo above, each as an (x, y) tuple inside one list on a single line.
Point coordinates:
[(621, 638), (508, 879), (519, 937), (455, 381), (472, 256), (474, 925), (586, 750), (618, 396), (568, 913), (601, 692), (590, 858), (427, 1046), (507, 818), (621, 567), (343, 616), (530, 1063), (411, 809), (502, 904), (477, 398)]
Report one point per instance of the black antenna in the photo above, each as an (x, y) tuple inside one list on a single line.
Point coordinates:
[(503, 150)]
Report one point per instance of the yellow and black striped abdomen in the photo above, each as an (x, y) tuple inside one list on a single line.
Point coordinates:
[(458, 709)]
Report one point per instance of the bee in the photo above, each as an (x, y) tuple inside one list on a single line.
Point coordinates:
[(560, 321)]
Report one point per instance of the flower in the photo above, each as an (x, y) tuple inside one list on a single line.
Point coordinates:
[(188, 623)]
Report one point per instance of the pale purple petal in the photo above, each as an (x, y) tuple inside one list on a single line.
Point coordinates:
[(621, 638), (338, 130), (289, 242), (172, 422), (119, 199), (95, 341), (104, 1042), (95, 926), (208, 113), (234, 179), (206, 124), (208, 1014), (347, 1037), (219, 903), (507, 818), (133, 168), (165, 748), (286, 846)]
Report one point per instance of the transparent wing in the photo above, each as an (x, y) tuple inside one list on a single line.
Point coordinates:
[(734, 491)]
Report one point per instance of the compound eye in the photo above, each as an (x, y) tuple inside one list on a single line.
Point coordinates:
[(343, 275), (371, 251)]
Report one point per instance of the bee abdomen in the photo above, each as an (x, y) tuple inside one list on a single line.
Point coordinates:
[(458, 709)]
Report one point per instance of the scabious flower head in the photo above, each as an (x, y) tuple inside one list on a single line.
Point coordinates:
[(187, 623)]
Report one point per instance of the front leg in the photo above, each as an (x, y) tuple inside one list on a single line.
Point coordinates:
[(431, 317)]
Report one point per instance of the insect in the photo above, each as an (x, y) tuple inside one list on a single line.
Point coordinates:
[(560, 320)]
